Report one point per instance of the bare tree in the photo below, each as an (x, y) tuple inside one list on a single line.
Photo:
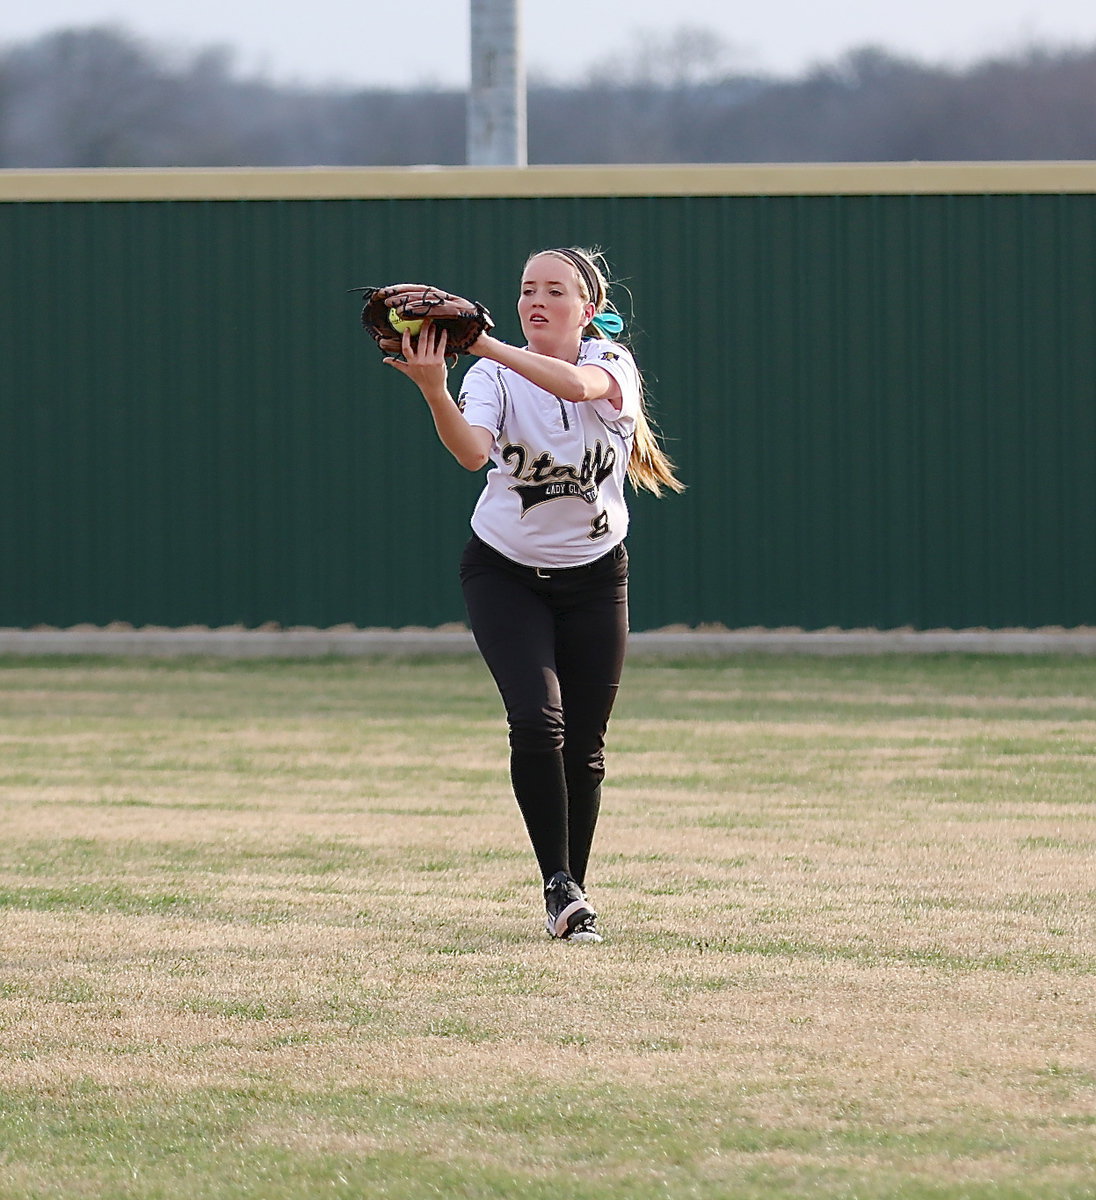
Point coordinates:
[(81, 98), (100, 97), (687, 57)]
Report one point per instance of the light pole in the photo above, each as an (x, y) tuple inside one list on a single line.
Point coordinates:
[(496, 95)]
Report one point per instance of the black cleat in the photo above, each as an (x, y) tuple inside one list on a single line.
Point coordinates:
[(570, 916)]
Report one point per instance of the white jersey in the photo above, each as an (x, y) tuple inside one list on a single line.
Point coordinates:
[(554, 496)]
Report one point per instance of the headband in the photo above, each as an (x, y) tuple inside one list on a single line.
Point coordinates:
[(583, 268), (606, 323)]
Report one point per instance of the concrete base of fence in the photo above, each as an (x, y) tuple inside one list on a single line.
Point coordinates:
[(320, 643)]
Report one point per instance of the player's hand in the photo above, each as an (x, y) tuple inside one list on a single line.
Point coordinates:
[(423, 359)]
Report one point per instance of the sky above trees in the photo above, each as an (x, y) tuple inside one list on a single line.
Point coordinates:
[(344, 41), (106, 98)]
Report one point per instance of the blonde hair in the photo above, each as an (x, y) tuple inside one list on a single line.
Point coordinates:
[(649, 465)]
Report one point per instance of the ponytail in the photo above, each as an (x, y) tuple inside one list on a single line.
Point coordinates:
[(649, 466)]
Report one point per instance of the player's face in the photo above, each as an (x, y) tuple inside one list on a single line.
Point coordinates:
[(551, 307)]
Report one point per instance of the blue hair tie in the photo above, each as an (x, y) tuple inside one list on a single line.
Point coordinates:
[(608, 323)]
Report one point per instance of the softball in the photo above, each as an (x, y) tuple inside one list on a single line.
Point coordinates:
[(399, 324)]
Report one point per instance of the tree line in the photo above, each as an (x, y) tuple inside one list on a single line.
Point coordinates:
[(102, 97)]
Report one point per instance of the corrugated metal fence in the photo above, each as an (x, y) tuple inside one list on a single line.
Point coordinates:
[(881, 390)]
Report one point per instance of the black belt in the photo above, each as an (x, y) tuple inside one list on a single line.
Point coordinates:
[(552, 572)]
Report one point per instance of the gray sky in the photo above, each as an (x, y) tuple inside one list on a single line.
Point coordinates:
[(341, 41)]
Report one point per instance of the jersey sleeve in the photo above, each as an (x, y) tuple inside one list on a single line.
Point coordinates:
[(482, 397), (617, 360)]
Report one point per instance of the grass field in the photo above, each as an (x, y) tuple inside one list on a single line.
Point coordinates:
[(271, 930)]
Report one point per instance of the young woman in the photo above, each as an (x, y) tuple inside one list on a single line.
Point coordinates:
[(545, 574)]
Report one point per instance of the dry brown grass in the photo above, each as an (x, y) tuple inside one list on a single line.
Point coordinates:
[(272, 931)]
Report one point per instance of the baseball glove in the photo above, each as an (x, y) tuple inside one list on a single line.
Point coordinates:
[(463, 320)]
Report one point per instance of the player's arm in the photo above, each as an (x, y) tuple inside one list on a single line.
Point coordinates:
[(424, 365), (470, 445), (563, 379)]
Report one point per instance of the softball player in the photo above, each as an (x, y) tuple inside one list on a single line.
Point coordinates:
[(545, 574)]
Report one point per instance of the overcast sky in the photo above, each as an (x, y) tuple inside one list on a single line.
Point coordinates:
[(344, 41)]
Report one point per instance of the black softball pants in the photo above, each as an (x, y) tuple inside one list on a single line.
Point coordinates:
[(554, 641)]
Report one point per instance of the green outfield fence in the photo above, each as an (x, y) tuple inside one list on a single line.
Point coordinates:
[(879, 382)]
